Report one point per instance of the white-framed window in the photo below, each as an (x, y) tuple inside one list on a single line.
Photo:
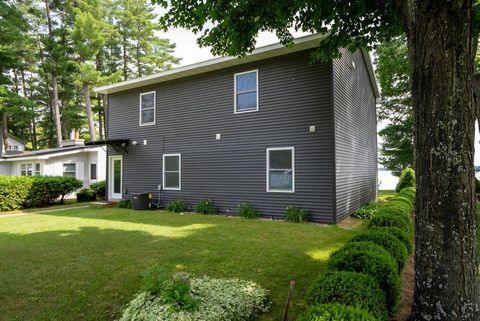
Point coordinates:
[(29, 169), (15, 147), (281, 169), (70, 169), (172, 171), (246, 91), (147, 108), (93, 171)]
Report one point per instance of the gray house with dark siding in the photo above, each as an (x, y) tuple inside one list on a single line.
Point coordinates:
[(271, 129)]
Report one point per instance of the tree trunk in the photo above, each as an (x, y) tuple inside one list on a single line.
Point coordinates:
[(446, 265), (88, 107), (33, 127), (5, 131), (125, 59)]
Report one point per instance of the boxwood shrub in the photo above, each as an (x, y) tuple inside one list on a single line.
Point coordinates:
[(14, 191), (335, 312), (396, 207), (407, 179), (389, 219), (389, 242), (371, 259), (402, 236), (349, 288), (409, 192)]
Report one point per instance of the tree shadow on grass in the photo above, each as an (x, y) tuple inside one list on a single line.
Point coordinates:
[(90, 273)]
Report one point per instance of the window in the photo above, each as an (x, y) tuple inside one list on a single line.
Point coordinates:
[(281, 169), (93, 171), (15, 147), (172, 176), (147, 108), (246, 91), (70, 170), (29, 169)]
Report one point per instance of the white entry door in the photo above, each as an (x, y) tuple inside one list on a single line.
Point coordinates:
[(115, 177)]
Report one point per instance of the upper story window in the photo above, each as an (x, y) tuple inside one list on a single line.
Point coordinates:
[(281, 169), (147, 108), (246, 91), (172, 171), (70, 170)]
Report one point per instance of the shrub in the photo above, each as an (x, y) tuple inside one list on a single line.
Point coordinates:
[(46, 189), (86, 195), (177, 293), (177, 206), (154, 279), (407, 179), (295, 214), (366, 211), (409, 192), (247, 210), (389, 242), (217, 300), (99, 188), (389, 219), (335, 312), (206, 207), (402, 236), (477, 185), (373, 260), (124, 204), (14, 191), (349, 288), (403, 202)]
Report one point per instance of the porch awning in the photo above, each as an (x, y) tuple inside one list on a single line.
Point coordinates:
[(117, 144)]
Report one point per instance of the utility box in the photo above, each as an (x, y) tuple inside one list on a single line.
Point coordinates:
[(141, 201)]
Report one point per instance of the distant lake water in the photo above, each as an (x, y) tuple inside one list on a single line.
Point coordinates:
[(386, 180)]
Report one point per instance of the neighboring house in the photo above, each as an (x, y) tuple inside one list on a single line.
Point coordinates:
[(15, 145), (86, 163), (271, 129)]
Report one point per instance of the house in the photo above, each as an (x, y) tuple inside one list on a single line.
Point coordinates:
[(15, 145), (87, 163), (271, 129)]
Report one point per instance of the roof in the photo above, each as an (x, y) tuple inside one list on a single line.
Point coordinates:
[(10, 136), (302, 43), (46, 153)]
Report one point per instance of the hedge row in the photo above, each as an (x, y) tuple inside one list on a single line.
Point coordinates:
[(363, 280), (18, 192)]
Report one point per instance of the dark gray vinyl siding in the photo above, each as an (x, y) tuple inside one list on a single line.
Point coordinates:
[(293, 95), (355, 134)]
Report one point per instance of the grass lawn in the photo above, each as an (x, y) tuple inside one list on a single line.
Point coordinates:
[(85, 264)]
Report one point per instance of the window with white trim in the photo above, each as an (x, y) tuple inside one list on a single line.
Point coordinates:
[(70, 169), (246, 91), (172, 172), (281, 169), (29, 169), (147, 108)]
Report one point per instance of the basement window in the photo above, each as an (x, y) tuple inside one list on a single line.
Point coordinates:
[(147, 108), (172, 172), (246, 91), (281, 170)]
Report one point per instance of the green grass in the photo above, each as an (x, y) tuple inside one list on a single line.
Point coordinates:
[(385, 195), (85, 264), (66, 203)]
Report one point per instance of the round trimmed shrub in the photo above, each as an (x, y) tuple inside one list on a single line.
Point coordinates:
[(396, 207), (371, 259), (389, 219), (402, 201), (349, 288), (407, 179), (389, 242), (402, 236), (335, 312), (410, 193)]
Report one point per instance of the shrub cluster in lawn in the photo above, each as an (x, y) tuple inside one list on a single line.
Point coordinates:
[(34, 191), (206, 207), (247, 210), (364, 275), (366, 211), (335, 312), (124, 204), (213, 300), (295, 214), (99, 188), (407, 179), (86, 195), (177, 206)]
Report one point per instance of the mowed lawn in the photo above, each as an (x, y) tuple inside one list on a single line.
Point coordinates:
[(85, 264)]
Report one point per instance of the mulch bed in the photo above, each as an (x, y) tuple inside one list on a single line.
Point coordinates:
[(408, 283)]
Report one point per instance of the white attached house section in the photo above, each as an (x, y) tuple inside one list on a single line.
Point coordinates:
[(88, 164)]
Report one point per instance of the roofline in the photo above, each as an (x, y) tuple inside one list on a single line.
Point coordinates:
[(371, 73), (47, 155), (269, 51)]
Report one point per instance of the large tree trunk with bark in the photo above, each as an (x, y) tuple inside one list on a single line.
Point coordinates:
[(88, 108), (5, 131), (446, 265), (56, 110)]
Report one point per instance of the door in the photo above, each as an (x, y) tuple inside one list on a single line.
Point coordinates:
[(115, 177)]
